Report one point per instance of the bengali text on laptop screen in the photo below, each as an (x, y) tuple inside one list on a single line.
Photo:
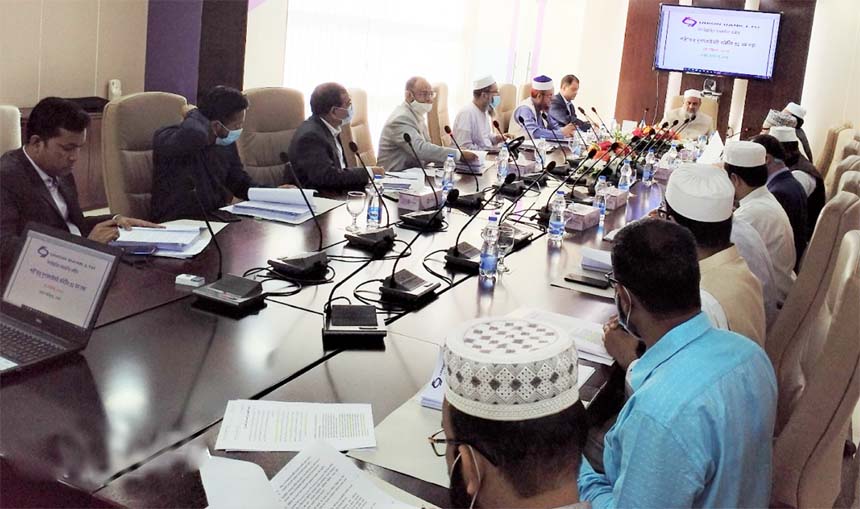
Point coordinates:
[(59, 278)]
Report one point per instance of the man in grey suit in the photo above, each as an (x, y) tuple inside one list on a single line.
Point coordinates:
[(410, 118), (562, 109)]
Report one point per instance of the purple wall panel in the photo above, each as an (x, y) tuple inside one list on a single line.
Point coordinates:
[(173, 47)]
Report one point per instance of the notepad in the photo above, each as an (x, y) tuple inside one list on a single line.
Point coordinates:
[(172, 238), (595, 259)]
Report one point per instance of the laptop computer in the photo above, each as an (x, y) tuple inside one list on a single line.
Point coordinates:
[(53, 297)]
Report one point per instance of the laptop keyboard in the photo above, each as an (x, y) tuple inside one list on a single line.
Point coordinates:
[(22, 347)]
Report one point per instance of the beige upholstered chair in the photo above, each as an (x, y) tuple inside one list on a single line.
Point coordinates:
[(825, 158), (10, 128), (438, 117), (273, 115), (852, 148), (850, 163), (709, 107), (128, 125), (796, 338), (807, 466), (525, 91), (358, 131), (850, 182), (508, 94)]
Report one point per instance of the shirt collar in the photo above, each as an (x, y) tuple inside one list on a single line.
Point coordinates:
[(42, 175), (756, 194), (723, 257), (666, 347), (334, 130), (774, 174)]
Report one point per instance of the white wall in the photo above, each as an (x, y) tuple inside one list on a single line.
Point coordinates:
[(265, 45), (830, 88)]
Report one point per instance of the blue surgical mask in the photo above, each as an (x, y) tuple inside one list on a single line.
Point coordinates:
[(495, 101), (350, 113), (230, 139)]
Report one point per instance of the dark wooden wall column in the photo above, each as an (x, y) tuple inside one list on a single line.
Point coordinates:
[(222, 44)]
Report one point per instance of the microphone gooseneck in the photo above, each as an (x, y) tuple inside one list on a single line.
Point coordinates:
[(354, 148), (590, 122), (523, 124), (408, 139), (528, 188), (507, 146), (508, 179), (286, 161), (555, 136), (208, 226), (471, 170)]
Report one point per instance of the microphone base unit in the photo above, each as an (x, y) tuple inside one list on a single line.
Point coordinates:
[(231, 295), (539, 177), (468, 202), (353, 327), (463, 257), (512, 190), (422, 221), (522, 238), (561, 170), (376, 241), (407, 288), (306, 265)]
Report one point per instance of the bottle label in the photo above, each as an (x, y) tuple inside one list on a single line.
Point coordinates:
[(488, 263), (373, 214), (556, 227)]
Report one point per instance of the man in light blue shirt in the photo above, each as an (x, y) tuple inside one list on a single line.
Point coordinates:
[(697, 430)]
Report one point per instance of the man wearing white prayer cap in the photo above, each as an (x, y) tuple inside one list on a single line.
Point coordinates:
[(473, 124), (533, 108), (699, 124), (746, 164), (700, 197), (804, 172), (799, 113), (513, 426)]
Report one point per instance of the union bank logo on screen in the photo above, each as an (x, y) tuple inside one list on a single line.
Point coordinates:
[(690, 22)]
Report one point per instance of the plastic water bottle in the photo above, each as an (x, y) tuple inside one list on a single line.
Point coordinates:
[(626, 177), (490, 249), (501, 171), (542, 147), (672, 156), (448, 176), (648, 171), (556, 217), (600, 196), (373, 202)]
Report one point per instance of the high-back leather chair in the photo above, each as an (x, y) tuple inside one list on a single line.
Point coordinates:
[(508, 103), (825, 158), (128, 125), (796, 338), (273, 116), (438, 117), (850, 182), (850, 163), (709, 106), (808, 452), (358, 131), (525, 91), (10, 128)]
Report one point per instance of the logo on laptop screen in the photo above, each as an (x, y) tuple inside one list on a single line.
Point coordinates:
[(43, 251), (690, 22)]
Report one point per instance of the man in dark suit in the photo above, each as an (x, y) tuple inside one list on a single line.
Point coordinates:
[(316, 153), (562, 109), (38, 184), (787, 191)]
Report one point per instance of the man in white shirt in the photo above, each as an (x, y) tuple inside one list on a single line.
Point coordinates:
[(410, 117), (703, 123), (745, 162), (472, 125)]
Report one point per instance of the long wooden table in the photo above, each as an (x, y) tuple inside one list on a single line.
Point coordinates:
[(158, 372)]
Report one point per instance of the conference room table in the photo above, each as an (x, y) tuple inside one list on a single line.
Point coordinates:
[(127, 419)]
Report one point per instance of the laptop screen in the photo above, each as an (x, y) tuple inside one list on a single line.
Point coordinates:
[(59, 278)]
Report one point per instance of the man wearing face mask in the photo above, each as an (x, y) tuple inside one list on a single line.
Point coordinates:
[(472, 126), (698, 427), (316, 153), (410, 118), (200, 154), (514, 437)]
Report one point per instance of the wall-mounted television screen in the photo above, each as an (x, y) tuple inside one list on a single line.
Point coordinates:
[(724, 42)]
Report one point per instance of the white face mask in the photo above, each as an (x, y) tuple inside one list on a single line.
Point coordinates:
[(421, 108)]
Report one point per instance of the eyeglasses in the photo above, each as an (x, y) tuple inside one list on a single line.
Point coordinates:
[(612, 281), (439, 444), (424, 94)]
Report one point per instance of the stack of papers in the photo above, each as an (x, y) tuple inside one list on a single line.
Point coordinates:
[(587, 336), (256, 425), (597, 260), (410, 179), (713, 152), (169, 238), (283, 205), (434, 392)]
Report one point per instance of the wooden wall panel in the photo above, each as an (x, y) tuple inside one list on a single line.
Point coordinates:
[(222, 44), (638, 86), (789, 66)]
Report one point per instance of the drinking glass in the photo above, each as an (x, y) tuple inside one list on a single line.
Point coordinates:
[(355, 201), (505, 243)]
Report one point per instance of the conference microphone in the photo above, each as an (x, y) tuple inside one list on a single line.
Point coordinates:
[(404, 286), (686, 124), (660, 138), (549, 168), (522, 122), (471, 170), (601, 120), (587, 171), (590, 122), (352, 326), (228, 294), (354, 148), (562, 171), (463, 255), (311, 265), (408, 140), (645, 117), (507, 146), (544, 213)]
